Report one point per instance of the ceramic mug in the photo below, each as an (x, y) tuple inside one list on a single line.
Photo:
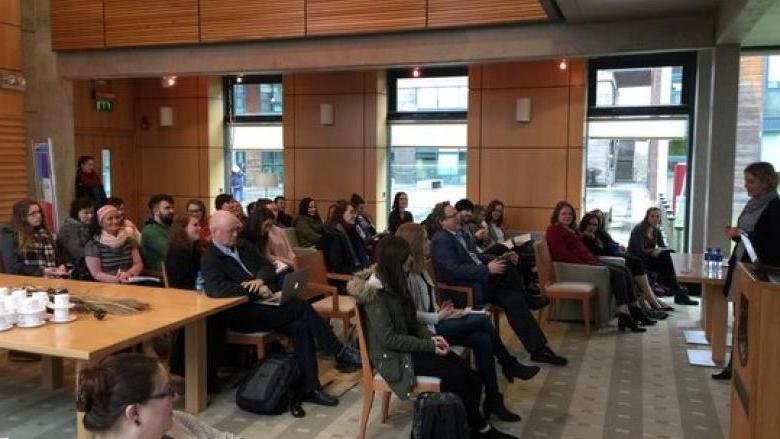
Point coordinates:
[(4, 322), (61, 314), (3, 292), (61, 300), (29, 319)]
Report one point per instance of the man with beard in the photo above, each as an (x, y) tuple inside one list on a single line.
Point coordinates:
[(154, 236)]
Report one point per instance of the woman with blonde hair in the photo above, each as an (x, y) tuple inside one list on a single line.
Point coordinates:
[(460, 327)]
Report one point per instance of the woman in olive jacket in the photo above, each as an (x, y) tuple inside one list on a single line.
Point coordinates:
[(309, 227), (399, 346)]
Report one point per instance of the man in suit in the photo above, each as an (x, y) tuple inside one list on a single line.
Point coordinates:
[(233, 267), (455, 264)]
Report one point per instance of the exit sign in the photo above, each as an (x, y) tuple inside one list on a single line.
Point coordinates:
[(104, 105)]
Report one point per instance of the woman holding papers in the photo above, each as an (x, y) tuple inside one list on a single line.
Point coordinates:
[(112, 255), (461, 327)]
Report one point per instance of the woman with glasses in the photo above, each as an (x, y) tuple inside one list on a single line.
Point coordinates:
[(197, 210), (601, 244), (26, 245), (130, 395)]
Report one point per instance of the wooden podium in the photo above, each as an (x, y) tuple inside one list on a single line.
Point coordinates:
[(755, 387)]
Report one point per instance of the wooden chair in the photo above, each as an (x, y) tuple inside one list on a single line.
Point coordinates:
[(373, 382), (160, 274), (333, 306), (555, 291)]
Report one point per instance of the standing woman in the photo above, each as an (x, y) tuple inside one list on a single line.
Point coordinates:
[(26, 245), (112, 255), (308, 224), (647, 242), (400, 347), (74, 234), (399, 215), (88, 183), (760, 220)]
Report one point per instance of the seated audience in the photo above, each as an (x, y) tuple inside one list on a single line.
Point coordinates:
[(365, 226), (197, 210), (233, 267), (398, 212), (182, 260), (494, 218), (223, 202), (282, 218), (154, 236), (490, 279), (308, 224), (474, 331), (88, 183), (566, 245), (647, 243), (130, 396), (74, 234), (27, 246), (251, 208), (400, 347), (344, 249), (600, 243), (473, 223), (270, 239), (112, 255), (125, 223)]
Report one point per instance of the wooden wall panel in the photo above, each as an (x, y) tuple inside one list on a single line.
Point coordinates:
[(141, 22), (327, 83), (169, 170), (524, 177), (328, 174), (120, 119), (325, 17), (10, 47), (11, 12), (576, 117), (346, 131), (77, 24), (443, 13), (535, 219), (549, 118), (183, 133), (225, 20), (524, 75)]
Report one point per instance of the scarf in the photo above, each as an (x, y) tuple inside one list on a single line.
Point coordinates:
[(40, 251), (112, 241), (88, 180), (753, 210)]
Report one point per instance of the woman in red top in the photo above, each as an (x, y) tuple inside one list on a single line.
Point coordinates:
[(566, 245)]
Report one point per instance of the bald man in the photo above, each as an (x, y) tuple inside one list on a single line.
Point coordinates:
[(233, 267)]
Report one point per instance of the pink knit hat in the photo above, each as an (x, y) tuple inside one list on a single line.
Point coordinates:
[(105, 210)]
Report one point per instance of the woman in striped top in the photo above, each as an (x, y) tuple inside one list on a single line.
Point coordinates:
[(112, 255)]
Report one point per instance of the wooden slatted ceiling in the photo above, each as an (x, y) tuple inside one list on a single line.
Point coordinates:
[(144, 22), (324, 17), (225, 20), (443, 13), (13, 163), (77, 24)]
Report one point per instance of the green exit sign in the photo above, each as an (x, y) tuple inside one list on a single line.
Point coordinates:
[(104, 105)]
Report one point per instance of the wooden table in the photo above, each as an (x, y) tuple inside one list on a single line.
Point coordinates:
[(88, 340), (690, 268)]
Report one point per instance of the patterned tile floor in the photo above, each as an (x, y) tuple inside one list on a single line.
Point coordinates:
[(616, 386)]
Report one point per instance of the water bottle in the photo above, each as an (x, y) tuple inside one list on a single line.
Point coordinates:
[(718, 262), (200, 284), (708, 261)]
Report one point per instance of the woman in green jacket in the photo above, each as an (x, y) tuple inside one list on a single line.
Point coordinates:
[(308, 225), (399, 346)]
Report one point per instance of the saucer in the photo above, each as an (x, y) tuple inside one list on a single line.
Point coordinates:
[(53, 306), (37, 325), (70, 319), (5, 328)]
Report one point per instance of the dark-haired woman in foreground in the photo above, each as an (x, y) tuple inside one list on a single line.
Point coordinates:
[(130, 396), (400, 347)]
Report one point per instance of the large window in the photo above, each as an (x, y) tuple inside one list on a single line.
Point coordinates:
[(255, 152), (758, 119), (638, 137), (427, 127)]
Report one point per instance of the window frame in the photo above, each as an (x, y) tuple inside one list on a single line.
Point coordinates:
[(230, 81), (393, 75)]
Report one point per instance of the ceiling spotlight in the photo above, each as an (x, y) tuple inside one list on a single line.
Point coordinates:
[(563, 65), (168, 81), (240, 79), (416, 72)]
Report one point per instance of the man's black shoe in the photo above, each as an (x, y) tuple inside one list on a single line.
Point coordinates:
[(546, 355), (320, 398), (536, 302), (683, 299)]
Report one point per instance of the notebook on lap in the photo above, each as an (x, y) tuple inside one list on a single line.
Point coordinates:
[(294, 285)]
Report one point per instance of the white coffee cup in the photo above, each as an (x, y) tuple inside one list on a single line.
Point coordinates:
[(3, 291), (19, 294), (10, 309), (61, 314), (61, 300), (31, 304), (29, 319), (4, 320)]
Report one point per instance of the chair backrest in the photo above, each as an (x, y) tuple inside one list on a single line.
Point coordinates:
[(292, 238), (367, 369), (314, 261), (164, 274), (544, 266)]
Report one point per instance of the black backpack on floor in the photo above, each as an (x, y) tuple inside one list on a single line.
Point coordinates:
[(271, 387), (439, 415)]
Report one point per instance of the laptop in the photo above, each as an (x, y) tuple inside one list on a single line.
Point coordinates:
[(772, 274), (294, 284)]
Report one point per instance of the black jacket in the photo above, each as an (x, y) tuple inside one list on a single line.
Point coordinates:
[(223, 275), (395, 220), (765, 238), (344, 251), (182, 265)]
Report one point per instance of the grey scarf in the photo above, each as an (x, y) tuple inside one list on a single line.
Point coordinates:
[(753, 210)]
